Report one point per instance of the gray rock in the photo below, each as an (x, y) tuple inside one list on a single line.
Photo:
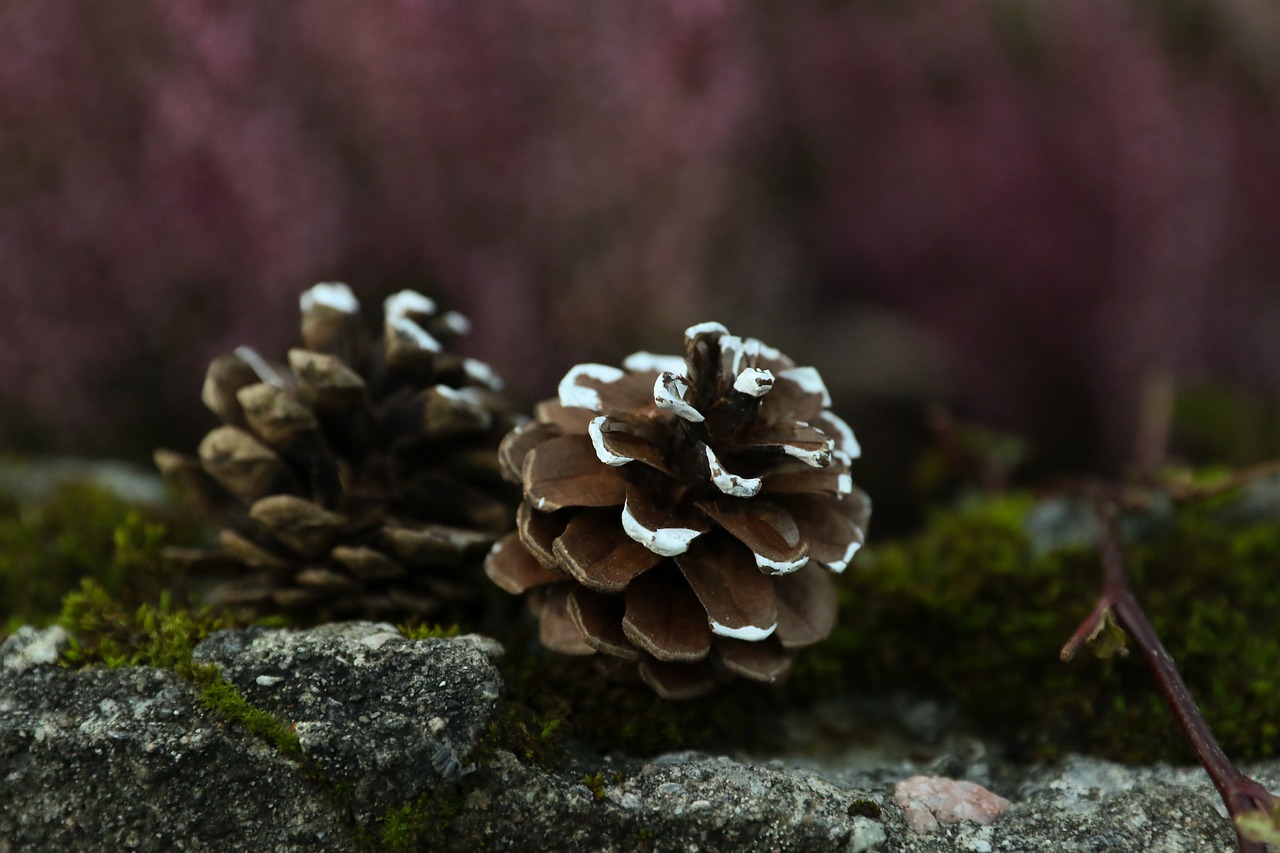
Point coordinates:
[(129, 759), (383, 716)]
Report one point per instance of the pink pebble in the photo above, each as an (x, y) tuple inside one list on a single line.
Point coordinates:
[(930, 801)]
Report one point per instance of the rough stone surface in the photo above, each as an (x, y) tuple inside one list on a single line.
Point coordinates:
[(102, 760), (384, 716), (128, 759)]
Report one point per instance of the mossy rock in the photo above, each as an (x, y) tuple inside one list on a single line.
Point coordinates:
[(966, 612), (969, 613)]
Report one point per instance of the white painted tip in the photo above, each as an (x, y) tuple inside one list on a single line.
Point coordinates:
[(732, 484), (670, 392), (840, 565), (844, 484), (595, 430), (754, 381), (780, 567), (760, 349), (259, 365), (739, 353), (478, 371), (642, 362), (705, 329), (329, 294), (407, 302), (812, 458), (408, 330), (575, 396), (665, 541), (456, 323), (809, 380), (846, 443), (750, 633)]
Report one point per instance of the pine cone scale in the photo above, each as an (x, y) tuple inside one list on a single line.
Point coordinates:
[(664, 618), (806, 602), (517, 444), (241, 464), (556, 628), (538, 533), (514, 569), (599, 555), (598, 619), (767, 528), (737, 599), (678, 681), (834, 532), (564, 471), (766, 661), (305, 528)]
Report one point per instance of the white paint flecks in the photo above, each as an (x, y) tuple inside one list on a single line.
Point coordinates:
[(330, 294), (704, 329), (809, 380), (846, 443), (408, 329), (595, 430), (456, 323), (407, 302), (670, 391), (478, 371), (732, 484), (665, 541), (812, 458), (780, 567), (750, 633), (260, 366), (841, 564), (754, 381), (642, 362), (735, 350), (575, 396)]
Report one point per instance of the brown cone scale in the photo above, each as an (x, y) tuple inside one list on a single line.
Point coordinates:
[(684, 516), (358, 478)]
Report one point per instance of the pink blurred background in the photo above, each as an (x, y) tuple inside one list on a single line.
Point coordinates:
[(1022, 209)]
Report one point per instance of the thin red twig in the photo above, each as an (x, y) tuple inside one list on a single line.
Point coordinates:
[(1240, 793)]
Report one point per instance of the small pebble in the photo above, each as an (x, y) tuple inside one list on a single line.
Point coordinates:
[(930, 801)]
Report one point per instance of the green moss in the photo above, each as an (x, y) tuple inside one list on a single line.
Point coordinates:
[(534, 738), (222, 697), (421, 824), (595, 784), (78, 531), (426, 631), (965, 612), (104, 632)]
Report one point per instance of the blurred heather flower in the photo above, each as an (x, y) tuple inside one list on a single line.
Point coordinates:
[(538, 160), (1062, 196), (1054, 190)]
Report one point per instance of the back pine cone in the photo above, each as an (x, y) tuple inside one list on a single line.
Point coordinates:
[(682, 516), (360, 479)]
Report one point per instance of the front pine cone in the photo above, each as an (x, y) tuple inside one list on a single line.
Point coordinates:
[(360, 479), (682, 516)]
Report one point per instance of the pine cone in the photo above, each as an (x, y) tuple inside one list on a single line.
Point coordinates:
[(681, 516), (360, 480)]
